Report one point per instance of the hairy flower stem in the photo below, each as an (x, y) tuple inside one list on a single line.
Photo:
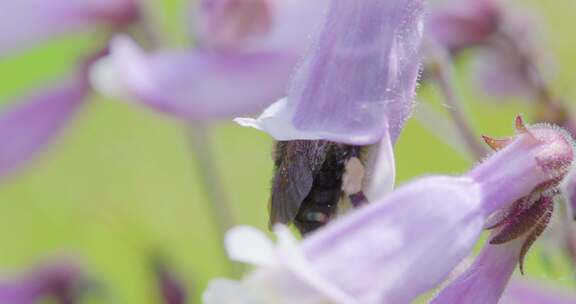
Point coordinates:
[(218, 203), (442, 74)]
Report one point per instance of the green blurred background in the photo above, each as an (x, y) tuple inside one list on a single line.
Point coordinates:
[(121, 183)]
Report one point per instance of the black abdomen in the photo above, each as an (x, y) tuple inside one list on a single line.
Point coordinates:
[(321, 203)]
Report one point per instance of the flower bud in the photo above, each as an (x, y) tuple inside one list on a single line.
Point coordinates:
[(232, 23)]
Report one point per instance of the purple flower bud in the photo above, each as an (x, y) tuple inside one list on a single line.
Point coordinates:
[(358, 81), (257, 24), (29, 126), (463, 23), (232, 23)]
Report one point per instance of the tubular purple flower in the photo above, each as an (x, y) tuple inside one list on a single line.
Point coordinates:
[(33, 21), (200, 85), (359, 79), (430, 224), (247, 52), (30, 125)]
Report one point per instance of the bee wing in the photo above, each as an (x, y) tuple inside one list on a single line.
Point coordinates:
[(297, 163), (292, 183)]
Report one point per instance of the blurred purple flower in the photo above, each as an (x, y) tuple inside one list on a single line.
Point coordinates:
[(198, 85), (458, 24), (32, 123), (29, 22), (358, 82), (61, 282), (247, 50), (533, 292), (27, 127), (430, 224)]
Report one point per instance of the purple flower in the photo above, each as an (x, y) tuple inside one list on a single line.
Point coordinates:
[(33, 122), (247, 50), (377, 254), (457, 24), (61, 281), (29, 22), (358, 82), (198, 85), (27, 127)]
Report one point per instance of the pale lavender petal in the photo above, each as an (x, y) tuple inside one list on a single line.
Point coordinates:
[(199, 85), (27, 22), (486, 279), (392, 251), (27, 127), (533, 292), (358, 81)]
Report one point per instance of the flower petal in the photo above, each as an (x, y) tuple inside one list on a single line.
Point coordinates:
[(222, 291), (380, 170), (27, 22), (249, 245), (360, 77), (429, 224), (294, 260), (486, 279), (28, 127), (198, 85), (533, 292)]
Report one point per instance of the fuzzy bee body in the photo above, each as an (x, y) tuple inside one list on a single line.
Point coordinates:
[(309, 182)]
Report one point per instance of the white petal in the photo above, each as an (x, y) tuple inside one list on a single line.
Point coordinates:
[(291, 256), (249, 245), (222, 291), (276, 120), (380, 170)]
